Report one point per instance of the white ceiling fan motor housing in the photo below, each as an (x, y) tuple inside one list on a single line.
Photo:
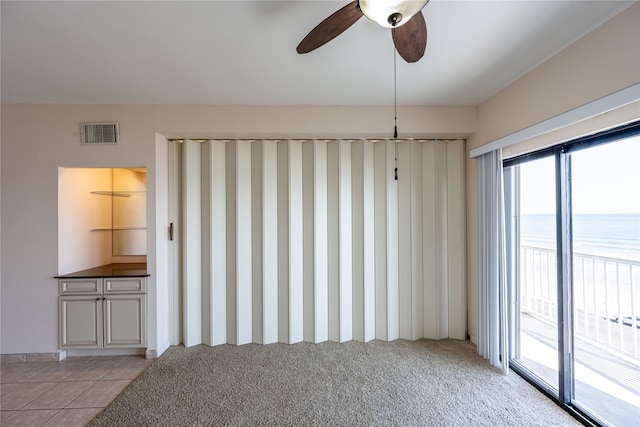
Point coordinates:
[(385, 12)]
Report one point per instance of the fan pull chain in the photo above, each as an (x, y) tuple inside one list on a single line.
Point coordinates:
[(395, 113)]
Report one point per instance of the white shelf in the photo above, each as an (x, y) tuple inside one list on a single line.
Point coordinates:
[(118, 193), (118, 228)]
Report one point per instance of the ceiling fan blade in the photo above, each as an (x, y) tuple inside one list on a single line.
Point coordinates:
[(410, 39), (330, 28)]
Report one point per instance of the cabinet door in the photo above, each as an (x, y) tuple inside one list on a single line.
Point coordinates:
[(80, 321), (124, 321)]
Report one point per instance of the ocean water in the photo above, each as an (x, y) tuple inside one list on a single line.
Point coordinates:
[(612, 235)]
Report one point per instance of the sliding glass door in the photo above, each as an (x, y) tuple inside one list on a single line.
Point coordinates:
[(535, 303), (573, 261), (606, 279)]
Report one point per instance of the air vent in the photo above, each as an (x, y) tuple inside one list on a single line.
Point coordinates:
[(99, 133)]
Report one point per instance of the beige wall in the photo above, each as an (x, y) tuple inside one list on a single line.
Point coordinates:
[(37, 140), (79, 212), (604, 61)]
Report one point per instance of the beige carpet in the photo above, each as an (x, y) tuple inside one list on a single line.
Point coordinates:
[(400, 383)]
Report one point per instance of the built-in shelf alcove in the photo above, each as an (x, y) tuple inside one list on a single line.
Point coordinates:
[(101, 216)]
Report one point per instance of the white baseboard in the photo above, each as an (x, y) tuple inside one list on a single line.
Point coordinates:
[(106, 352), (154, 354)]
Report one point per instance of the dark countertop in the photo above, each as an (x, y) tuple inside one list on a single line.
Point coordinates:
[(138, 269)]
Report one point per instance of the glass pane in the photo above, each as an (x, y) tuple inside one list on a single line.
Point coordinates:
[(534, 223), (606, 280)]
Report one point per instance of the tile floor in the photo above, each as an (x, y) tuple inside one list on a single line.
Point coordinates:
[(67, 393)]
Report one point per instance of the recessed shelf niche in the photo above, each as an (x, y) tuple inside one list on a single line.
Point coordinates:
[(102, 216)]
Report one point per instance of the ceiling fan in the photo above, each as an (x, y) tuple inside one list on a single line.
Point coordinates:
[(404, 17)]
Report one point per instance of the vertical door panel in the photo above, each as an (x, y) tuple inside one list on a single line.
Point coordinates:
[(125, 321), (80, 322)]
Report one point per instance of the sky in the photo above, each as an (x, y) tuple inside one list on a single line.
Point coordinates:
[(605, 179)]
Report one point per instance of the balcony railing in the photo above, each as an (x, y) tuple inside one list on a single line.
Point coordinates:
[(606, 297)]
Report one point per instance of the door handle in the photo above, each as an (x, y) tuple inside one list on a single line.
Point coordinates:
[(171, 231)]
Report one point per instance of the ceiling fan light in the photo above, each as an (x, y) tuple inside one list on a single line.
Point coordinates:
[(391, 13)]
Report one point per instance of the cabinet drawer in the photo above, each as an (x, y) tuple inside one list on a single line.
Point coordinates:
[(80, 286), (124, 285)]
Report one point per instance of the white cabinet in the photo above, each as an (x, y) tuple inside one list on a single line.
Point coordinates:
[(102, 312)]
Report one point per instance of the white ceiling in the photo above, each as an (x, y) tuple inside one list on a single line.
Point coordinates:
[(243, 52)]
